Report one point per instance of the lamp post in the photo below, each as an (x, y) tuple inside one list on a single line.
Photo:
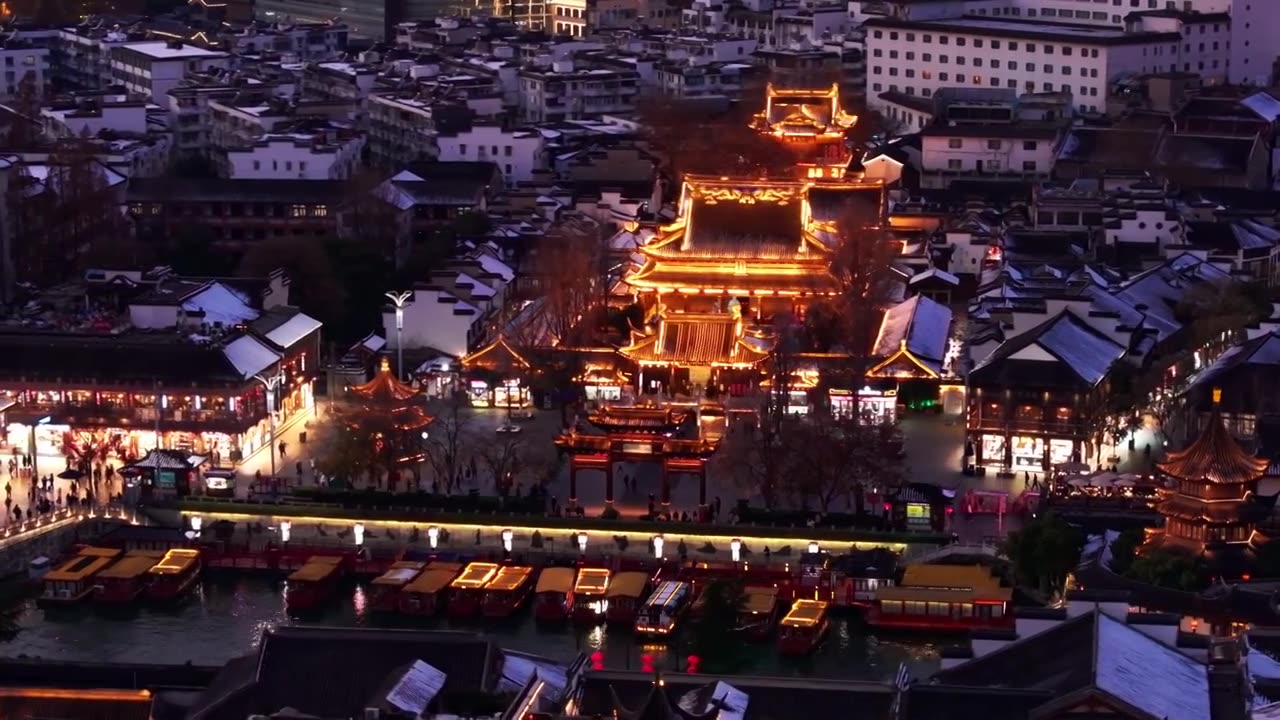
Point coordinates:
[(398, 299), (271, 383), (34, 454)]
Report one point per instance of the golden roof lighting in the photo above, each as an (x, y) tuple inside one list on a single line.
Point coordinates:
[(476, 575)]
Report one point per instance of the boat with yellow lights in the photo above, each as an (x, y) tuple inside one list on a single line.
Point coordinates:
[(311, 585), (384, 591), (553, 596), (174, 576), (426, 594), (664, 608), (803, 628), (589, 591), (74, 580), (125, 581), (507, 591), (626, 593), (467, 590)]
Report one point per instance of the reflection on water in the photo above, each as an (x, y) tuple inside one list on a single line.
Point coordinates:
[(226, 615)]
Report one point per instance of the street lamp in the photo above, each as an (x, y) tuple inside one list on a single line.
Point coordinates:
[(582, 543), (285, 528), (358, 531), (813, 548), (658, 542), (271, 383), (506, 540), (735, 547), (42, 421), (398, 299), (433, 535)]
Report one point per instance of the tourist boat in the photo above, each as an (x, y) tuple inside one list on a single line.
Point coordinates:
[(507, 591), (384, 591), (663, 609), (803, 628), (626, 592), (125, 581), (946, 598), (553, 596), (759, 612), (312, 584), (425, 594), (174, 576), (467, 590), (74, 580), (589, 603)]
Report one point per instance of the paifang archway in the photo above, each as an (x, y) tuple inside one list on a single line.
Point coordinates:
[(668, 437)]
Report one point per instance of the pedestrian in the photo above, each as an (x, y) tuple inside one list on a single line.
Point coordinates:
[(298, 465), (282, 447)]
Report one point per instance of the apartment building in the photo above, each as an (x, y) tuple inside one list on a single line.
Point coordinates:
[(565, 92), (308, 42), (21, 61), (81, 56), (518, 153), (920, 57), (154, 68)]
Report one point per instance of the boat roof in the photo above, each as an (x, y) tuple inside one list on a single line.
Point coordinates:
[(99, 552), (805, 613), (628, 584), (760, 600), (946, 583), (130, 566), (666, 592), (175, 561), (432, 579), (592, 581), (476, 575), (317, 568), (555, 579), (400, 573), (78, 568), (509, 578)]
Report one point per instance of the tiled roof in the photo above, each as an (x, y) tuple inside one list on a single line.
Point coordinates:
[(696, 339), (1215, 456)]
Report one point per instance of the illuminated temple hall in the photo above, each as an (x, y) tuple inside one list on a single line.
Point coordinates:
[(812, 122), (739, 254)]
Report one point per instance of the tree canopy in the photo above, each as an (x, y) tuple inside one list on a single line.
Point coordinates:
[(1044, 552), (716, 637)]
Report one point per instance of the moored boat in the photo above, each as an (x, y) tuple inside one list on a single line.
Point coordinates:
[(553, 595), (384, 591), (174, 576), (663, 608), (73, 581), (507, 591), (589, 603), (759, 612), (426, 594), (626, 592), (126, 580), (312, 584), (943, 598), (467, 590), (803, 627)]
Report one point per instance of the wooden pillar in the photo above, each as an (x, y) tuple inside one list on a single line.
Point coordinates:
[(608, 483), (666, 487), (573, 483)]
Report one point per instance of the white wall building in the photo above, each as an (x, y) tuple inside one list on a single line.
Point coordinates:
[(518, 153), (920, 57), (292, 157), (117, 114), (563, 92), (22, 61), (155, 68)]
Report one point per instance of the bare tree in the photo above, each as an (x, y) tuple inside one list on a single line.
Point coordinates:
[(448, 438), (690, 137)]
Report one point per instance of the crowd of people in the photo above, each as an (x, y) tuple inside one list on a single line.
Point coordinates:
[(87, 484)]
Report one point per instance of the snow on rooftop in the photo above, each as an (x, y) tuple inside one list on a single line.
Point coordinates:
[(1089, 354), (416, 688), (249, 356), (1264, 104), (162, 50), (497, 267), (1148, 674), (293, 330), (518, 669), (923, 323), (220, 304)]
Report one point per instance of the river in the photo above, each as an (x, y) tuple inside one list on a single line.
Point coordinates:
[(226, 615)]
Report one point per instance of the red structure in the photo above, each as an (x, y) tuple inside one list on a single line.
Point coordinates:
[(1217, 484), (668, 437)]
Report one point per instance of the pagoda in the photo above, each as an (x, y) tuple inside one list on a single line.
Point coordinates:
[(1215, 501), (388, 397), (812, 122)]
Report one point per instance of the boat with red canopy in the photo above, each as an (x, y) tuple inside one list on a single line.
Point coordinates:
[(174, 576), (313, 584), (426, 594), (553, 596), (507, 591)]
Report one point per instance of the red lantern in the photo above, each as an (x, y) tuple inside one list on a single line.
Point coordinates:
[(646, 663), (693, 661), (950, 509), (888, 507), (597, 660)]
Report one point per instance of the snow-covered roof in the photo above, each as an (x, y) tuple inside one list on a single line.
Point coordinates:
[(923, 323), (493, 265), (163, 50), (1262, 103), (478, 288), (1089, 354), (518, 669), (934, 272), (416, 688), (373, 342), (293, 330), (220, 304), (1148, 674), (249, 355)]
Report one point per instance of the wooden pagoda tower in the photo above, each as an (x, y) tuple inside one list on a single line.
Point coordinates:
[(396, 410), (1215, 501)]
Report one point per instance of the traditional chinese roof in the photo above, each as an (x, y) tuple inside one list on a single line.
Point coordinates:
[(1215, 456), (1240, 512), (638, 419), (163, 459), (716, 339), (805, 112), (384, 388), (913, 339), (497, 356)]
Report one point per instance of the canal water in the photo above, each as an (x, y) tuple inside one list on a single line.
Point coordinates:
[(227, 614)]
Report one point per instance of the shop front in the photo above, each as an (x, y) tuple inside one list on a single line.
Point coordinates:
[(1027, 453), (875, 406), (507, 393), (992, 451)]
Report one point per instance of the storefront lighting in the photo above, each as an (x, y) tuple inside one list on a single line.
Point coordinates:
[(813, 548), (658, 542), (285, 527), (164, 402), (735, 547), (506, 540), (582, 542), (359, 533), (196, 523), (433, 536)]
